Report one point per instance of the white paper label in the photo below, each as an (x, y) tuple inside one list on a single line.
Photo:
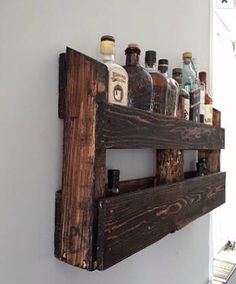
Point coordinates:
[(118, 86), (208, 114), (186, 108)]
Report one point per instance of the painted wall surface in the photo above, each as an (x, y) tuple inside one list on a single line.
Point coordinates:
[(32, 34)]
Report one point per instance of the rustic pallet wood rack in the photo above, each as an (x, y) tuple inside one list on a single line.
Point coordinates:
[(93, 229)]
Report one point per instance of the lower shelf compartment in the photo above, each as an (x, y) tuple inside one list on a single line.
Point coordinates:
[(135, 220)]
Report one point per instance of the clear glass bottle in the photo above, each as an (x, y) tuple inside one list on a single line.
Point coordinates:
[(189, 75), (184, 97), (208, 119), (200, 85), (159, 82), (172, 88), (118, 77), (140, 87), (190, 85)]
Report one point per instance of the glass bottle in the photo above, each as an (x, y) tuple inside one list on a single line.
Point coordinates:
[(172, 88), (190, 85), (184, 98), (208, 100), (199, 84), (113, 181), (118, 77), (159, 82), (140, 85)]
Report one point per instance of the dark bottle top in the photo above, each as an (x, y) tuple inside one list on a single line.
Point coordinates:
[(202, 168), (172, 88), (140, 82), (113, 181), (159, 83)]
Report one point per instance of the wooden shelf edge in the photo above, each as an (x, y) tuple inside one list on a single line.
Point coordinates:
[(120, 127), (135, 220)]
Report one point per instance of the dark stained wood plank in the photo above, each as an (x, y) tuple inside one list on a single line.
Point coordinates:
[(83, 165), (62, 85), (212, 156), (169, 166), (57, 233), (126, 128), (132, 221)]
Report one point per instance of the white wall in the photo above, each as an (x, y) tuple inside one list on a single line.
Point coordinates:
[(224, 60), (32, 34)]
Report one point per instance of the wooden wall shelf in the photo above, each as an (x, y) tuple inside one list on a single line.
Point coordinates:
[(95, 230)]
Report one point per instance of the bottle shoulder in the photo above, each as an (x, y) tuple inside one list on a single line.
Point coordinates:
[(114, 66)]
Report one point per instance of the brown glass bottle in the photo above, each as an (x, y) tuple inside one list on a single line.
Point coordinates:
[(140, 82), (172, 89), (159, 83)]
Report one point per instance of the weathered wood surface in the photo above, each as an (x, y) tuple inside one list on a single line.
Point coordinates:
[(132, 221), (83, 179), (57, 233), (212, 156), (126, 128), (169, 166), (62, 85), (170, 163)]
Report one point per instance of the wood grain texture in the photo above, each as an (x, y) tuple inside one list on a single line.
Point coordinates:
[(169, 166), (83, 165), (57, 233), (212, 156), (62, 85), (126, 128), (132, 221)]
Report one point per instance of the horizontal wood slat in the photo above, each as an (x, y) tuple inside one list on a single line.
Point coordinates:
[(132, 221), (127, 128)]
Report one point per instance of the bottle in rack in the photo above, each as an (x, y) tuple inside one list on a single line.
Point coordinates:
[(113, 181), (172, 88), (184, 98), (159, 82), (140, 86), (208, 100), (190, 84), (118, 77)]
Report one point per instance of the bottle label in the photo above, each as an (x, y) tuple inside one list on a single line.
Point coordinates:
[(208, 114), (118, 86), (186, 108), (202, 102)]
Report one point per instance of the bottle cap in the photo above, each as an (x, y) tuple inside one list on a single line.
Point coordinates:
[(133, 48), (108, 37), (187, 55), (163, 63), (176, 71), (113, 173), (150, 56), (107, 45), (133, 45), (202, 76)]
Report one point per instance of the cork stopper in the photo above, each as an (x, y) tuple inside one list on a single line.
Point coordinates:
[(107, 45), (187, 55), (133, 48), (133, 45)]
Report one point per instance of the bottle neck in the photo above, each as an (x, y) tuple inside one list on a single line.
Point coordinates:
[(132, 59), (106, 58), (163, 70), (151, 67)]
